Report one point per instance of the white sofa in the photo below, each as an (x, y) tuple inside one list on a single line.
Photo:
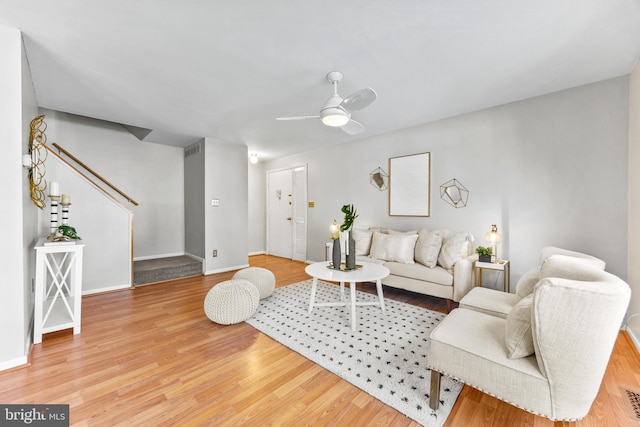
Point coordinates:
[(437, 262), (549, 355)]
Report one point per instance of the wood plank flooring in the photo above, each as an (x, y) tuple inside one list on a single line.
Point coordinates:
[(149, 356)]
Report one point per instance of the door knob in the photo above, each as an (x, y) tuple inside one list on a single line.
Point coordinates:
[(289, 218)]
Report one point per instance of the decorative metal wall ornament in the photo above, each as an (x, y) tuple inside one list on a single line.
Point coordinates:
[(379, 179), (38, 155), (454, 193)]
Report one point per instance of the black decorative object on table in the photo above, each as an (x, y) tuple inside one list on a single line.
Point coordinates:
[(350, 214), (351, 253), (336, 255)]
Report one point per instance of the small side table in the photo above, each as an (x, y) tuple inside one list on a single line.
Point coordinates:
[(58, 290), (502, 265)]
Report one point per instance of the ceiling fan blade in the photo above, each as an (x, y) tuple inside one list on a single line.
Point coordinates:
[(358, 100), (352, 127), (298, 118)]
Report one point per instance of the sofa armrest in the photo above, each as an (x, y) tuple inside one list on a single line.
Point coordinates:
[(463, 276)]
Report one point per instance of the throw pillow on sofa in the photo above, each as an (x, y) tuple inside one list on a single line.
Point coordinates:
[(455, 246), (527, 282), (393, 247), (389, 231), (428, 247), (518, 333), (363, 240)]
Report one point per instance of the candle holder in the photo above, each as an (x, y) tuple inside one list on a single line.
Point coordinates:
[(53, 227), (65, 213)]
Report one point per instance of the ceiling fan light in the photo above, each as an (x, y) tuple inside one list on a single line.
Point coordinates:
[(334, 117)]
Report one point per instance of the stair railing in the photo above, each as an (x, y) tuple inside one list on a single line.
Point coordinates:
[(94, 173)]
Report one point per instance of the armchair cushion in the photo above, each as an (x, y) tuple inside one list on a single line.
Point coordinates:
[(518, 334), (489, 301)]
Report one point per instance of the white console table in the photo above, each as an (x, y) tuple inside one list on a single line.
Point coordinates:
[(58, 287)]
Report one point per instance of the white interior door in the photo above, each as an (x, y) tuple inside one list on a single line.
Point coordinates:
[(300, 213), (280, 213), (287, 213)]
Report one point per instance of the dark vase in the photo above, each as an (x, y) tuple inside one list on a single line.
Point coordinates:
[(351, 254), (335, 256)]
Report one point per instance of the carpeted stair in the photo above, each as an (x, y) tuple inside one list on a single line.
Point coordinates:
[(161, 269)]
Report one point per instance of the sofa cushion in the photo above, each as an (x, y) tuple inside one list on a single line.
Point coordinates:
[(394, 247), (518, 333), (362, 238), (454, 247), (428, 247), (419, 272)]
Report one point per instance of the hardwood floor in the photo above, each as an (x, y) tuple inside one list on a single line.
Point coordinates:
[(150, 356)]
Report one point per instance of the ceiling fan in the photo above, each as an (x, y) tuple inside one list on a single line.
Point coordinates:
[(336, 111)]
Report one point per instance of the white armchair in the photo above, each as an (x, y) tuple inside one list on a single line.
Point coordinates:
[(499, 303), (549, 355)]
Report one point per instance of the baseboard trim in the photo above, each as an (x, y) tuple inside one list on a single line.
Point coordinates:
[(109, 289), (257, 253), (224, 270), (633, 337), (18, 362)]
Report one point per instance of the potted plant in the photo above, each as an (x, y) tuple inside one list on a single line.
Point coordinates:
[(484, 254)]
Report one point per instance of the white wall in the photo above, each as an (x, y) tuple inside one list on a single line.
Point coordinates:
[(104, 225), (550, 170), (257, 209), (226, 179), (633, 257), (151, 174), (17, 109)]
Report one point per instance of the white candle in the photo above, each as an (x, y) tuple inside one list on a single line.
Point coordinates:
[(54, 189), (346, 246), (66, 200)]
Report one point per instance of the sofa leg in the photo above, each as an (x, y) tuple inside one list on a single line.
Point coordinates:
[(449, 306), (434, 394)]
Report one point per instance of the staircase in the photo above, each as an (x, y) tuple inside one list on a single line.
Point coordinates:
[(161, 269)]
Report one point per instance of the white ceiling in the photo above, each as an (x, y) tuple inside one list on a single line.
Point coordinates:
[(226, 69)]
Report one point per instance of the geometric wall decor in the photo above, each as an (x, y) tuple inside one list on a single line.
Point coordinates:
[(454, 193)]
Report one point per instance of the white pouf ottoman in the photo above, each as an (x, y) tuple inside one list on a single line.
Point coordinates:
[(264, 279), (230, 302)]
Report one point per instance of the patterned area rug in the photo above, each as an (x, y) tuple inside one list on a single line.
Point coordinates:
[(386, 356)]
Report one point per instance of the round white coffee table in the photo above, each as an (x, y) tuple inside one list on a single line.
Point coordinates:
[(368, 273)]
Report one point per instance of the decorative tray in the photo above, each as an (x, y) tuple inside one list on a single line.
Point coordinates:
[(343, 267)]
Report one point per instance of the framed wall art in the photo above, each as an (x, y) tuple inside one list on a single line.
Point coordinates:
[(410, 185)]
